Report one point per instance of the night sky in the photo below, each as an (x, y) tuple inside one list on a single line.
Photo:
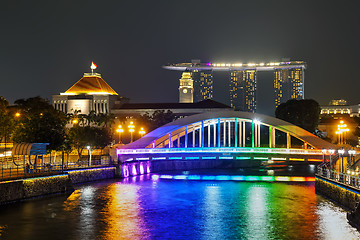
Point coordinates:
[(46, 46)]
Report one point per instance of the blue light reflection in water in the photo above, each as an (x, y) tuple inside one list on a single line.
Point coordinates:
[(148, 207)]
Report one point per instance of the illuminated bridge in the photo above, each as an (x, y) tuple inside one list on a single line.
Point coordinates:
[(215, 139)]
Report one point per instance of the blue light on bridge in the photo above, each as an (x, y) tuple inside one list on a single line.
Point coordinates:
[(238, 178)]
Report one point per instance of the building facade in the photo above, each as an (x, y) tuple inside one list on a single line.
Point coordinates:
[(90, 93), (203, 85), (288, 84)]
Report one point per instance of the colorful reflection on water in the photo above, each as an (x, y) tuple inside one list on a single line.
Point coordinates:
[(147, 208)]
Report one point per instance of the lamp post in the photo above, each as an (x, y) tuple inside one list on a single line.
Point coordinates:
[(120, 130), (351, 153), (341, 152), (341, 132), (142, 132), (323, 153), (89, 149), (331, 152), (131, 130)]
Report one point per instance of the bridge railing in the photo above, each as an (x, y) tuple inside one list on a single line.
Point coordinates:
[(351, 179)]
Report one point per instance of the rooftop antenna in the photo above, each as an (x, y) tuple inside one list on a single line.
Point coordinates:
[(93, 67)]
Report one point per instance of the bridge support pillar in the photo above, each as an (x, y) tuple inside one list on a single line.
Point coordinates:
[(272, 143), (288, 140)]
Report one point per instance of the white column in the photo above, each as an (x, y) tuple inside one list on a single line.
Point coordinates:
[(229, 134), (259, 135), (240, 134), (193, 131), (186, 136), (244, 133), (209, 128), (224, 133), (214, 127)]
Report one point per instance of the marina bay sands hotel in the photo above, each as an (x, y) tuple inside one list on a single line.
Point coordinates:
[(196, 83)]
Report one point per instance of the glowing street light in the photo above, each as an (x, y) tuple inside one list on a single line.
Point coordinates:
[(17, 114), (351, 153), (120, 130), (142, 132), (131, 130), (89, 149), (341, 132), (341, 152), (74, 121)]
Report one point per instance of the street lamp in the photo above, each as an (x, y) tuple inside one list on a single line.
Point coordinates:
[(342, 129), (331, 152), (120, 130), (324, 152), (142, 132), (351, 153), (89, 149), (341, 152), (131, 130)]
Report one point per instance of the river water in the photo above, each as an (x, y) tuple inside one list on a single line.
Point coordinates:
[(149, 207)]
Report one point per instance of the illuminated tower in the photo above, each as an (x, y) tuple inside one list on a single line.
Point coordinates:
[(250, 90), (288, 84), (186, 89), (237, 97), (296, 77), (203, 85), (243, 90)]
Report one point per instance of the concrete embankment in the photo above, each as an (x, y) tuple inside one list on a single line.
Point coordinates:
[(343, 194), (22, 189)]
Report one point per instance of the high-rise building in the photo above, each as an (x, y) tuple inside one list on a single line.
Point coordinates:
[(288, 84), (186, 88), (243, 90), (250, 90), (203, 85)]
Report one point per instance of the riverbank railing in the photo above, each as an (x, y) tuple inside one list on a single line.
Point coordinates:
[(351, 178), (11, 171)]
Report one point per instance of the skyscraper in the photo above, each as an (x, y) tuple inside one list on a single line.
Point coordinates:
[(243, 90), (203, 85), (288, 84), (186, 89)]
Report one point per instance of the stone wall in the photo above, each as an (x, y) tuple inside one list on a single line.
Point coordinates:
[(90, 175), (17, 190), (346, 196), (34, 187)]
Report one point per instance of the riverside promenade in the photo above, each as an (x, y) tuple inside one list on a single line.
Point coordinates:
[(61, 182), (343, 188)]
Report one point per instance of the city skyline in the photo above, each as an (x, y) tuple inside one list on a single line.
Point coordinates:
[(288, 82)]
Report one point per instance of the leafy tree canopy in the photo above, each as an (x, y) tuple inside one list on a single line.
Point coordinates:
[(96, 137), (40, 122), (157, 119), (303, 113)]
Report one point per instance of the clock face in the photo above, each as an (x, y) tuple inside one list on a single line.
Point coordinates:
[(184, 90)]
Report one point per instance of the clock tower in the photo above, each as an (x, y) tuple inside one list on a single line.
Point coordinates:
[(186, 88)]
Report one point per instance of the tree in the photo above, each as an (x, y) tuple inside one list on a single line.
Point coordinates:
[(41, 123), (7, 121), (157, 119), (96, 137), (303, 113)]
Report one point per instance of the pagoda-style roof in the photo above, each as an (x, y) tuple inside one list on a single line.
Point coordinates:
[(91, 84)]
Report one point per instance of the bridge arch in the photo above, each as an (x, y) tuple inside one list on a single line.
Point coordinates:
[(229, 129)]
